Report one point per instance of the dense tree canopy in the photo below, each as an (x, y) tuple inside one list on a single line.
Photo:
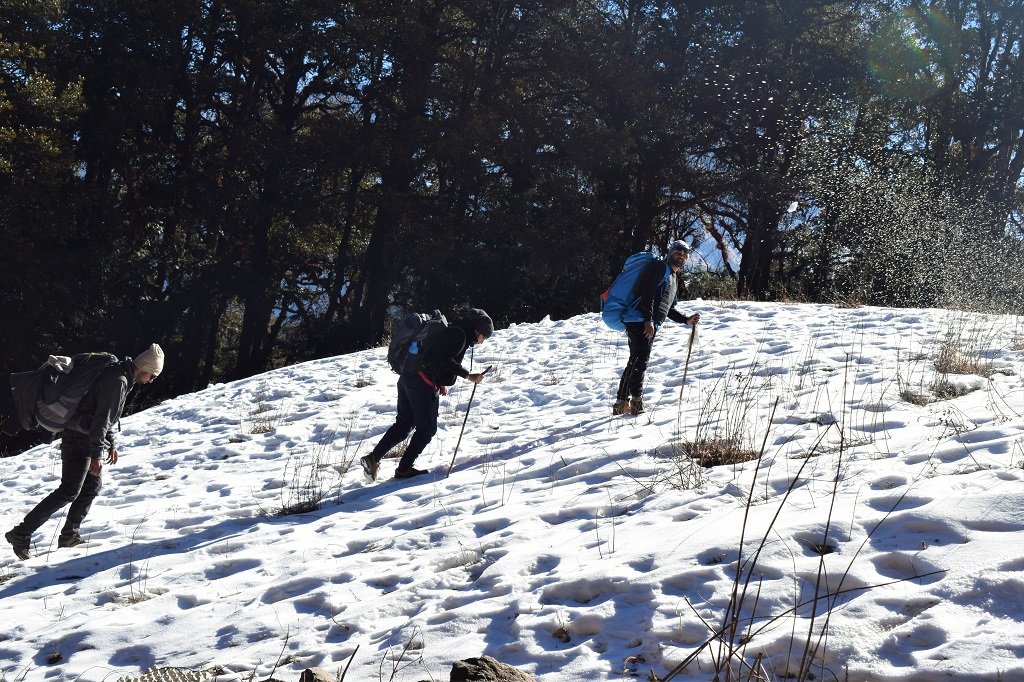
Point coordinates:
[(253, 183)]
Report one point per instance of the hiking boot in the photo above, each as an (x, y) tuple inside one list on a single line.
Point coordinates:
[(409, 473), (70, 540), (370, 467), (621, 407), (20, 543), (636, 405)]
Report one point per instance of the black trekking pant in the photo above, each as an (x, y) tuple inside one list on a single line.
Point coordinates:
[(77, 486), (631, 384), (417, 409)]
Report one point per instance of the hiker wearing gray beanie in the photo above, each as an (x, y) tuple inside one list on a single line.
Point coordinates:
[(86, 438)]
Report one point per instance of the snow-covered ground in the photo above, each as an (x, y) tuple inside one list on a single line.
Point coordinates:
[(566, 542)]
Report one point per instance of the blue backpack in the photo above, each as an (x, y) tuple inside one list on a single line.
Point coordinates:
[(622, 296)]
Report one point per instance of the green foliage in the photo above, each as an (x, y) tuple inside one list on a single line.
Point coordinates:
[(40, 274), (253, 184)]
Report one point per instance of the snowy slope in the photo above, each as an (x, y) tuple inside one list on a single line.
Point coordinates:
[(566, 542)]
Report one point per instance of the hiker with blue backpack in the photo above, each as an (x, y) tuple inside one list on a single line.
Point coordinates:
[(86, 423), (426, 353), (638, 302)]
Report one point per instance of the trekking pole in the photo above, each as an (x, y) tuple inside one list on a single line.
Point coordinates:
[(686, 367), (459, 442)]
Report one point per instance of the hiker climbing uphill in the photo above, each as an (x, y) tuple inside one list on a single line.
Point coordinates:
[(638, 302), (87, 435), (427, 355)]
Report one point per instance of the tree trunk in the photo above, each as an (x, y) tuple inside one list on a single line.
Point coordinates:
[(758, 251)]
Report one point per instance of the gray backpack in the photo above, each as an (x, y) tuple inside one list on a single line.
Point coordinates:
[(48, 397), (410, 340)]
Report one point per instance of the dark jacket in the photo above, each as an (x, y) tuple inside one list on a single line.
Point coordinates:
[(658, 288), (101, 408), (442, 362)]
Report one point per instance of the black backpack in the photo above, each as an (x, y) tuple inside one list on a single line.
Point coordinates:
[(411, 338), (48, 397)]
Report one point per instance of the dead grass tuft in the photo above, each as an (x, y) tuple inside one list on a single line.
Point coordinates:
[(953, 359), (947, 390), (916, 397), (717, 452)]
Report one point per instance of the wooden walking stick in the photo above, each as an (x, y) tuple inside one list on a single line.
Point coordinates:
[(459, 442), (686, 367)]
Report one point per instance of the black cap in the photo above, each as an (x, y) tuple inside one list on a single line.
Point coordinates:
[(481, 322)]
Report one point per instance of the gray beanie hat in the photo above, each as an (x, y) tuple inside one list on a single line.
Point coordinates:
[(150, 360), (481, 321)]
